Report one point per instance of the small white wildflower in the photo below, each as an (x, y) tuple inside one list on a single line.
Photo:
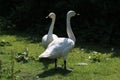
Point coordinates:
[(37, 77), (82, 49), (89, 57), (112, 49), (95, 52)]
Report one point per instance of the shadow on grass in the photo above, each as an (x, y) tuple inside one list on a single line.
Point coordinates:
[(53, 72), (46, 62)]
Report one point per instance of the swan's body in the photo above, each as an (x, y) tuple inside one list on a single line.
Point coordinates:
[(46, 41), (48, 38), (61, 46), (58, 48)]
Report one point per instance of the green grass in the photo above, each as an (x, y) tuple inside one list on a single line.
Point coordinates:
[(107, 69)]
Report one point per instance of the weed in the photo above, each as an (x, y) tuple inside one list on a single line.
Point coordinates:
[(0, 69)]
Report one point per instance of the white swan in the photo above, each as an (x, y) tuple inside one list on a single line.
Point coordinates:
[(61, 46), (48, 38)]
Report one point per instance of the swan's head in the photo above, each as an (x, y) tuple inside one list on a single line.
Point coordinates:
[(51, 15), (72, 13)]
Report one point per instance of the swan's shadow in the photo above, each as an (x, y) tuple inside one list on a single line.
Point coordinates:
[(52, 72)]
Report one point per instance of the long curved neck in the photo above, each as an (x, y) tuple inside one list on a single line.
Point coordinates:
[(69, 30), (50, 32)]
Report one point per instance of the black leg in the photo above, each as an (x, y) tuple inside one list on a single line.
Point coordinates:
[(55, 63), (65, 64)]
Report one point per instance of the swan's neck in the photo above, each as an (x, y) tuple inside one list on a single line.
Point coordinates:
[(69, 30), (50, 32)]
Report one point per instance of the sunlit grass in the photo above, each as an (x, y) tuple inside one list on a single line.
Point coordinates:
[(107, 69)]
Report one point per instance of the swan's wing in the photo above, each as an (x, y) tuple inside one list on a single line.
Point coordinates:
[(68, 47), (54, 36), (46, 41), (58, 48)]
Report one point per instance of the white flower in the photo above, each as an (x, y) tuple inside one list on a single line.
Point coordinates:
[(112, 49), (89, 57)]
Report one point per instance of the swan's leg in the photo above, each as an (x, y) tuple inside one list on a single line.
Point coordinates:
[(65, 67), (55, 63), (65, 64)]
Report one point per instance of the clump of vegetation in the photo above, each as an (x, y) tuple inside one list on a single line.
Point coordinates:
[(7, 72), (95, 57), (22, 57), (5, 43)]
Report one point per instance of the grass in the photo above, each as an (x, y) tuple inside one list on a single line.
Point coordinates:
[(108, 68)]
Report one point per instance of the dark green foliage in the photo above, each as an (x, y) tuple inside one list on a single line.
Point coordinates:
[(4, 43), (98, 22)]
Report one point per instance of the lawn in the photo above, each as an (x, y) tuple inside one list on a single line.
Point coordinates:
[(86, 63)]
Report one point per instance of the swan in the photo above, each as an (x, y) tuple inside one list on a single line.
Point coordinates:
[(61, 46), (46, 39)]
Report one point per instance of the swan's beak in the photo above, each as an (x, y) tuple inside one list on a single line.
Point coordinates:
[(78, 14), (46, 16)]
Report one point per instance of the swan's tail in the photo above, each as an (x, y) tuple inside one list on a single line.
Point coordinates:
[(43, 56)]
